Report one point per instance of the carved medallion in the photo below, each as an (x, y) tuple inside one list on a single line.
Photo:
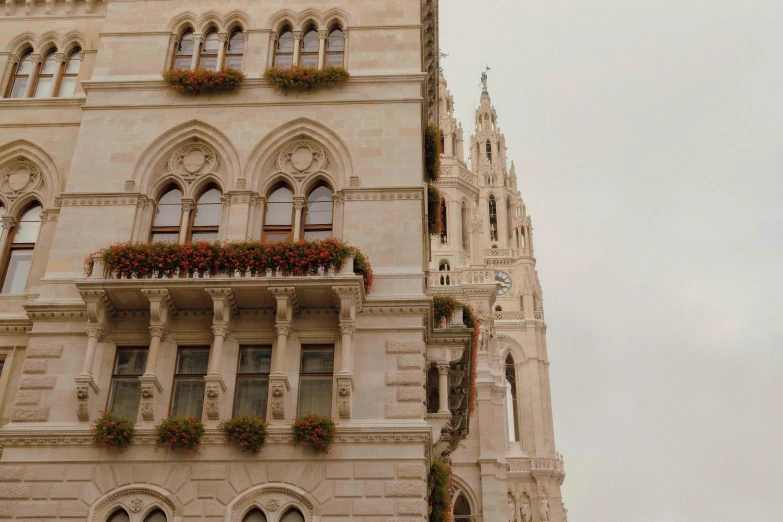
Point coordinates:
[(193, 160), (272, 504), (19, 177), (136, 505), (302, 158)]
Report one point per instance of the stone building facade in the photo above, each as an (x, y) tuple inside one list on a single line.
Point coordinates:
[(95, 150)]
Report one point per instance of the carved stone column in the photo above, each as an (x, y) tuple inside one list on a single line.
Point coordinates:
[(222, 43), (321, 47), (443, 388), (187, 208), (297, 46), (298, 206), (347, 298), (215, 388), (8, 223), (196, 51), (287, 303), (161, 306), (99, 306), (36, 59), (60, 58)]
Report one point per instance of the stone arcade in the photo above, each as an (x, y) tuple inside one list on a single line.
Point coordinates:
[(95, 150)]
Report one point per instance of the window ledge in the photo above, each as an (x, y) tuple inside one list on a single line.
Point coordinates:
[(20, 103)]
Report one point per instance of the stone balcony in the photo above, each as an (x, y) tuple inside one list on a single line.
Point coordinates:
[(521, 467)]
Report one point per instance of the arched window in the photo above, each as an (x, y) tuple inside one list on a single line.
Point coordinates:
[(209, 52), (493, 219), (284, 53), (183, 58), (168, 216), (292, 515), (156, 516), (335, 47), (509, 221), (461, 509), (498, 308), (235, 50), (118, 516), (308, 55), (433, 399), (70, 74), (254, 516), (318, 216), (512, 404), (445, 279), (489, 154), (21, 76), (279, 215), (20, 250), (44, 87), (465, 227), (444, 223), (206, 221)]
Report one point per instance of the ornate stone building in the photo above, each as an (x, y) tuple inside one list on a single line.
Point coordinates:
[(95, 150)]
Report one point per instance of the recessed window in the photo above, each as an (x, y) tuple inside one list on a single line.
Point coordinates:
[(206, 222), (493, 219), (44, 88), (512, 404), (21, 75), (20, 250), (309, 52), (156, 516), (125, 392), (168, 216), (235, 50), (70, 74), (335, 47), (209, 52), (318, 216), (188, 397), (315, 380), (183, 58), (252, 380), (254, 516), (284, 52), (279, 214), (292, 515), (433, 397), (119, 516)]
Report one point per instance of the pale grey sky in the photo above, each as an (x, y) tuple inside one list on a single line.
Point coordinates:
[(647, 138)]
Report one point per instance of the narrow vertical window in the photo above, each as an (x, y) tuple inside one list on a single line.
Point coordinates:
[(252, 380), (433, 398), (461, 509), (284, 53), (21, 75), (183, 58), (279, 215), (209, 52), (465, 225), (119, 516), (444, 223), (512, 404), (309, 52), (509, 221), (489, 154), (21, 248), (318, 216), (156, 516), (254, 516), (70, 74), (168, 216), (335, 47), (206, 222), (235, 49), (125, 391), (44, 88), (493, 219), (188, 396), (315, 381)]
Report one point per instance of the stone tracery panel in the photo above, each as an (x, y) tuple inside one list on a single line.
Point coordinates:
[(273, 500)]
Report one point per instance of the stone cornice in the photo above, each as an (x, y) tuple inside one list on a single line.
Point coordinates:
[(87, 199), (24, 103), (382, 193)]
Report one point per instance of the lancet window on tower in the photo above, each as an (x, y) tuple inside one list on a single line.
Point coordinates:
[(493, 219), (444, 230), (489, 154), (465, 222), (512, 404)]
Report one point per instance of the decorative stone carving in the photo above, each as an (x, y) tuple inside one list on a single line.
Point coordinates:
[(344, 388), (18, 178), (136, 504), (193, 160), (273, 504), (302, 158), (147, 411), (82, 392), (146, 391), (512, 510), (82, 411), (543, 509), (213, 410), (278, 399), (525, 513)]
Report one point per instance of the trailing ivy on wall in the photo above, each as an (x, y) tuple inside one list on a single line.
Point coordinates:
[(203, 81), (432, 173), (444, 308), (434, 219), (304, 78), (440, 500)]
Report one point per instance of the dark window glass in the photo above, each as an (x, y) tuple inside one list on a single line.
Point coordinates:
[(125, 390), (188, 396), (315, 381), (252, 380)]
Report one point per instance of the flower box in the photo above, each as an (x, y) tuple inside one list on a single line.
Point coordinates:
[(180, 433), (304, 79), (112, 432), (246, 431), (316, 431), (202, 81)]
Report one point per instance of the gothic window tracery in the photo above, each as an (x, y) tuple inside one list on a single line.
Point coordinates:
[(254, 515), (183, 58), (278, 220), (21, 246), (284, 51), (335, 47), (292, 515), (119, 516), (156, 516)]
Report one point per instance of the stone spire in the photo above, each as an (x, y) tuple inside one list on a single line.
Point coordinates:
[(450, 130), (488, 145)]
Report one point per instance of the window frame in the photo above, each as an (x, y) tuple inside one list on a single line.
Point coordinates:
[(52, 52), (302, 375), (228, 52), (202, 54), (251, 376), (11, 246), (182, 377), (115, 377), (512, 402), (277, 53), (179, 46), (492, 209), (305, 209), (329, 53), (15, 74), (65, 75), (311, 54), (166, 229), (278, 229), (192, 217)]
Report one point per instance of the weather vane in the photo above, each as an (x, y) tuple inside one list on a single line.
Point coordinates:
[(442, 56), (484, 78)]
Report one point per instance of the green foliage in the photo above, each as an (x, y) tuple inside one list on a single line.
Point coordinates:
[(304, 78), (434, 221), (432, 153), (180, 433), (443, 308), (203, 80), (246, 431), (440, 500), (314, 430), (112, 432)]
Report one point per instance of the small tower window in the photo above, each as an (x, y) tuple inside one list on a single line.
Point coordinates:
[(512, 405), (444, 231), (465, 225), (493, 219), (489, 154)]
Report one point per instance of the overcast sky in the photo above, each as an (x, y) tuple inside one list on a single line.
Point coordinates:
[(647, 138)]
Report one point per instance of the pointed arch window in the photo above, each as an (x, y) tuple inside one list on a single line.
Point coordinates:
[(335, 47), (444, 223), (235, 49), (433, 399), (206, 220), (284, 52), (119, 516), (293, 515), (489, 154), (462, 512), (21, 246), (21, 75), (44, 87), (279, 215), (512, 404), (70, 73), (509, 221), (493, 219), (209, 52), (156, 516), (309, 52), (183, 58), (318, 216), (254, 516), (168, 216)]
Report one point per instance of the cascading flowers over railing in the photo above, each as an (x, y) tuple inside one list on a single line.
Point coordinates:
[(246, 431), (444, 308), (166, 259), (112, 432), (440, 499), (203, 81), (314, 430), (432, 173), (304, 78)]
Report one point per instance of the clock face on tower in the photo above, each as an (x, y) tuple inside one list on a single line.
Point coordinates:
[(503, 282)]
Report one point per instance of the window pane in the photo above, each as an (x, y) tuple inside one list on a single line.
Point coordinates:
[(280, 207), (18, 269), (25, 63), (67, 87), (309, 60), (336, 42), (19, 87), (192, 361), (317, 234), (131, 361), (125, 396), (255, 359), (208, 63), (335, 60), (169, 209), (234, 61), (236, 45), (74, 63), (182, 62), (254, 516), (211, 44), (28, 226), (186, 44), (276, 237), (156, 516), (284, 60), (119, 516), (208, 209), (188, 398), (319, 207), (317, 360), (310, 41), (44, 87), (204, 236), (285, 43), (49, 64), (251, 396), (165, 236), (292, 516), (315, 395)]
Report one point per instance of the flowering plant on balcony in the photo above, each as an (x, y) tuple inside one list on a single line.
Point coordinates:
[(180, 433), (314, 430), (434, 218), (444, 308), (112, 432), (304, 78), (440, 499), (166, 259), (246, 431), (203, 80)]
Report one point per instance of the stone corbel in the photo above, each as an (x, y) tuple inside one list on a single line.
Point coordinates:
[(279, 387), (9, 7), (90, 5), (68, 6), (149, 386), (83, 386), (49, 6), (345, 389), (215, 390), (29, 7)]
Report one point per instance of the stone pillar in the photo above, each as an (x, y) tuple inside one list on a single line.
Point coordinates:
[(196, 51), (36, 59), (298, 206), (8, 223), (184, 224), (58, 73), (348, 299), (287, 303), (443, 388), (98, 307), (321, 48), (215, 389), (172, 50), (297, 46), (222, 43), (161, 305)]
